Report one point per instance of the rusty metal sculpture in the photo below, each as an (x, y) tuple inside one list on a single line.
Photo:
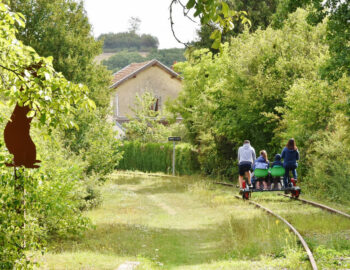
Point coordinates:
[(18, 140), (17, 134)]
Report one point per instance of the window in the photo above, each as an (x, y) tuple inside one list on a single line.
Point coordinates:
[(116, 106), (156, 105)]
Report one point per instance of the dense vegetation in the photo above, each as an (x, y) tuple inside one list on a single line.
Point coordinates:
[(166, 56), (289, 78), (157, 157), (74, 142), (66, 36), (274, 92)]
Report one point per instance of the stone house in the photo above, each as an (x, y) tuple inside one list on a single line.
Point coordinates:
[(137, 78)]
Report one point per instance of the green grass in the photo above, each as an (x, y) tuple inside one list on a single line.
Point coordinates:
[(187, 223)]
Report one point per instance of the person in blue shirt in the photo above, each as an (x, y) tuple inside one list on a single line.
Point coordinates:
[(261, 162), (290, 155), (277, 163)]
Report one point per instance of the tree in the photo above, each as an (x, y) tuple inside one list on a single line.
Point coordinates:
[(337, 13), (148, 41), (114, 42), (61, 29), (317, 116), (146, 125), (134, 24), (28, 80), (234, 95), (122, 59), (215, 12), (168, 56), (258, 12)]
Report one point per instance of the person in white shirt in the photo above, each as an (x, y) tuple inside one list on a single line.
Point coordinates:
[(246, 157)]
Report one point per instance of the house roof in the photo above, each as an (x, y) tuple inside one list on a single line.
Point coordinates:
[(134, 68)]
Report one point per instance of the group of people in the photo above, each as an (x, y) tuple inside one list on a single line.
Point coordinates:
[(247, 161)]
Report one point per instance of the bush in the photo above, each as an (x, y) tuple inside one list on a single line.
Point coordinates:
[(95, 142), (329, 172), (54, 195), (157, 157), (233, 96), (317, 116)]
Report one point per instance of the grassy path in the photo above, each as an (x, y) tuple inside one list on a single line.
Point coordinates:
[(185, 223)]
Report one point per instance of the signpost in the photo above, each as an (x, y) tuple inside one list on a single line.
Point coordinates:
[(174, 139)]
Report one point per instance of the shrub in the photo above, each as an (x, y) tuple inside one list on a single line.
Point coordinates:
[(157, 157), (329, 172)]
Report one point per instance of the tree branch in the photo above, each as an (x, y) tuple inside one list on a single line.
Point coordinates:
[(172, 23)]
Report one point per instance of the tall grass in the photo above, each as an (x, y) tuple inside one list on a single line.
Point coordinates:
[(157, 157)]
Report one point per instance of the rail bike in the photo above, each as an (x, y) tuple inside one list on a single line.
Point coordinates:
[(272, 175)]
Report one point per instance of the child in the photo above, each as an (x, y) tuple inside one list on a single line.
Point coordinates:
[(277, 163), (261, 163)]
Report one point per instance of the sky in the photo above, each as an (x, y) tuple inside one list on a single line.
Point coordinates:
[(113, 16)]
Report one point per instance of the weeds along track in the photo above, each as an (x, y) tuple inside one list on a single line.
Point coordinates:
[(322, 206), (290, 226), (301, 239)]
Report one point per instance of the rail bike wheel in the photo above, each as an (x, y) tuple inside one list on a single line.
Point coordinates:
[(245, 195), (295, 194)]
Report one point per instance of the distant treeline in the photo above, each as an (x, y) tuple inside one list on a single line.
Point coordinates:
[(114, 42), (124, 58)]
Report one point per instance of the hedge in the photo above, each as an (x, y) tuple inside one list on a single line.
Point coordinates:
[(157, 157)]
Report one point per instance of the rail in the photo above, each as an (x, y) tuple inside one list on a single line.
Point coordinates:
[(290, 226), (322, 206), (303, 242)]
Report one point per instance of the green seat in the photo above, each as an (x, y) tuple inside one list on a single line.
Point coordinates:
[(261, 172), (277, 171)]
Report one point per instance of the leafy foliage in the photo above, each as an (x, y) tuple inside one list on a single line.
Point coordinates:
[(46, 201), (149, 125), (31, 80), (258, 12), (338, 14), (146, 125), (61, 29), (96, 143), (317, 115), (233, 96), (216, 12)]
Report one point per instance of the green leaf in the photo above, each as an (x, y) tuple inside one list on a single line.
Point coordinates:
[(225, 9), (216, 34), (198, 11), (31, 114), (43, 118), (92, 104), (190, 4), (216, 44)]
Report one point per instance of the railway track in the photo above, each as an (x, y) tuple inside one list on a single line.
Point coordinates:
[(303, 242), (291, 227), (322, 206)]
